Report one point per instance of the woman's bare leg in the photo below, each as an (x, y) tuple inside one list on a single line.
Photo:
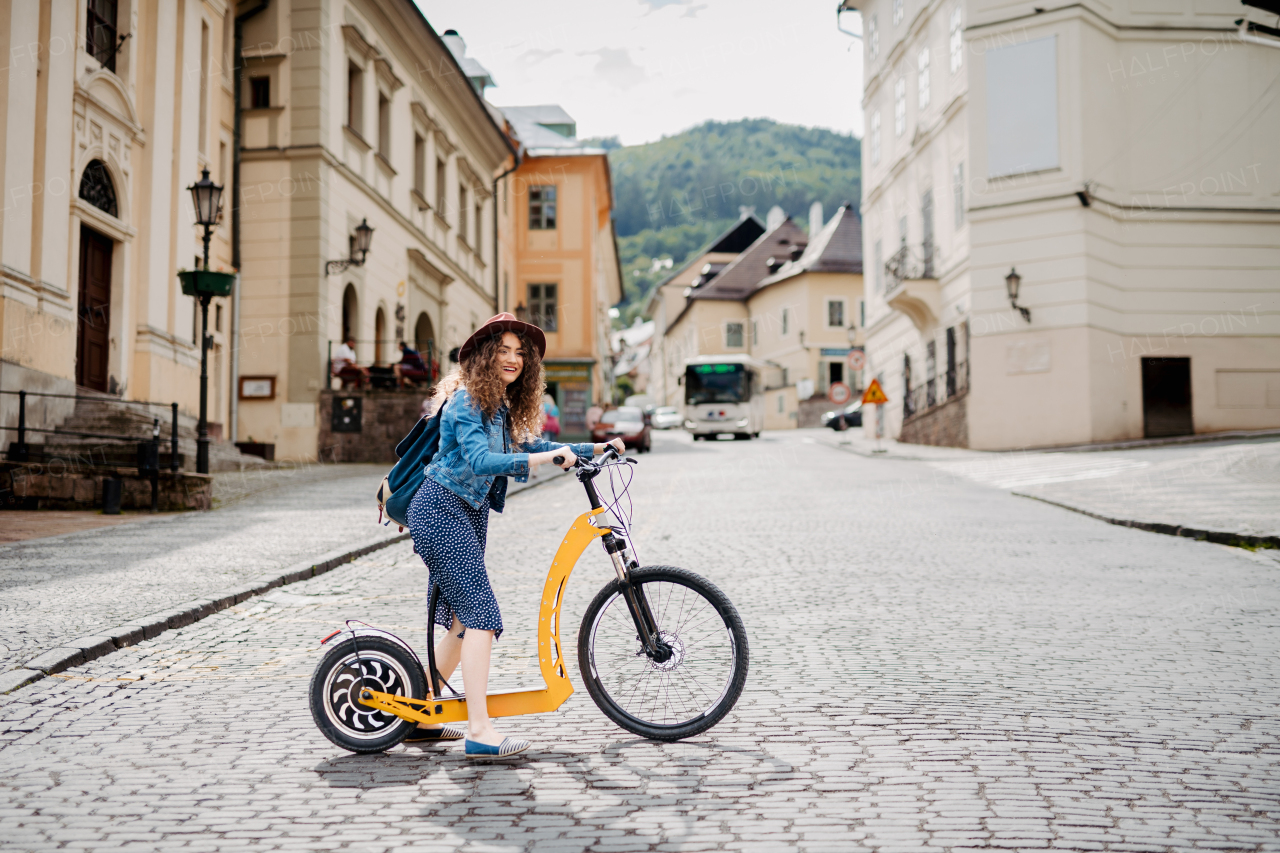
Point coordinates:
[(477, 646), (448, 653)]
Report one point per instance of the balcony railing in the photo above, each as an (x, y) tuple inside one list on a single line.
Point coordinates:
[(910, 263), (937, 391)]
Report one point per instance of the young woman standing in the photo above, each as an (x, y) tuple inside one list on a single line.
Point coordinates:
[(489, 430)]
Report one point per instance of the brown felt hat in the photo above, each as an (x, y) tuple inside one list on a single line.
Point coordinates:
[(495, 326)]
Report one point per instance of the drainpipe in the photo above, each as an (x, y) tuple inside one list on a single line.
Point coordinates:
[(235, 217), (496, 246)]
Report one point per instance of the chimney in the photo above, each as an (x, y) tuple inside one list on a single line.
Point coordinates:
[(815, 219), (776, 217), (454, 42)]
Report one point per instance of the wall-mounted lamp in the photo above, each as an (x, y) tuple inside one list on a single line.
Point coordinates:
[(1013, 281), (359, 246)]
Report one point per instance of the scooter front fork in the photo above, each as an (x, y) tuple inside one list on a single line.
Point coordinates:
[(637, 603)]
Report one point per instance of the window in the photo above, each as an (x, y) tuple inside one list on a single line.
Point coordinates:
[(384, 126), (879, 270), (420, 165), (957, 41), (1022, 107), (786, 317), (755, 333), (259, 93), (899, 106), (217, 318), (922, 64), (875, 138), (542, 306), (542, 208), (479, 222), (862, 313), (957, 187), (462, 213), (873, 34), (97, 189), (835, 313), (733, 335), (101, 30), (902, 232), (440, 187), (355, 97), (897, 12), (782, 398), (203, 140)]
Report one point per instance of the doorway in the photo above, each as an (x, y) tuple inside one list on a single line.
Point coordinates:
[(1166, 397), (94, 319)]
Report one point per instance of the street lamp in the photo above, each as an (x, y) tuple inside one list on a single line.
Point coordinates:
[(207, 197), (1012, 282), (359, 246)]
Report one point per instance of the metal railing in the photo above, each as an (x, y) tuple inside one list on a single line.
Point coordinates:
[(20, 451), (937, 391), (907, 263)]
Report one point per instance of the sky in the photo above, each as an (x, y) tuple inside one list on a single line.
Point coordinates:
[(644, 69)]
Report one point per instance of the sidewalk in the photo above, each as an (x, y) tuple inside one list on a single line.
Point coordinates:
[(85, 584), (1226, 491)]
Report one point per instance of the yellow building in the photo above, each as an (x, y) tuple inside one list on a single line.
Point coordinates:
[(804, 319), (101, 135), (566, 273)]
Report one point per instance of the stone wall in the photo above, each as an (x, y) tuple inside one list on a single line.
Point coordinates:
[(55, 486), (944, 426), (386, 417)]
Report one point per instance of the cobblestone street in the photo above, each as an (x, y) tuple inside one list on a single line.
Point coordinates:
[(935, 664)]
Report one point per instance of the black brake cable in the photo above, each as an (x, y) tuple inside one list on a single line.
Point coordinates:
[(622, 518)]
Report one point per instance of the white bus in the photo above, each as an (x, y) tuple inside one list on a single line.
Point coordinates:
[(723, 394)]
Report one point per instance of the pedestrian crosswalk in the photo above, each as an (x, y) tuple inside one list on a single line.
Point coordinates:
[(1018, 470)]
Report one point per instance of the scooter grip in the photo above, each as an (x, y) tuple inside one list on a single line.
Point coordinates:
[(559, 460)]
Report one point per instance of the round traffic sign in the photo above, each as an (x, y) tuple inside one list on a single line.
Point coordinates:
[(839, 393), (857, 359)]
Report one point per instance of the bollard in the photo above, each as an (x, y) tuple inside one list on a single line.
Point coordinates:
[(155, 464), (111, 489), (18, 451), (173, 441)]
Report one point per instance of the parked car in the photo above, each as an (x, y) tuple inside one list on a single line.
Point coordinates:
[(627, 423), (666, 417), (844, 417)]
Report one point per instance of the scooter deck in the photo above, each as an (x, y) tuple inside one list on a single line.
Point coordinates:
[(555, 674)]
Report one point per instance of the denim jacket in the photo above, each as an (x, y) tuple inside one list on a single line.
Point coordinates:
[(475, 451)]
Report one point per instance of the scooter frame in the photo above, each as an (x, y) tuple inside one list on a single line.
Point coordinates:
[(555, 674)]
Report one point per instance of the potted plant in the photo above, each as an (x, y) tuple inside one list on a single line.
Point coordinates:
[(207, 282)]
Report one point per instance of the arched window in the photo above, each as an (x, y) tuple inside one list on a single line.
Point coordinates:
[(350, 315), (97, 189), (379, 332)]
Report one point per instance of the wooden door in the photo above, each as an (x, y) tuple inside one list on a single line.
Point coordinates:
[(93, 326), (1166, 397)]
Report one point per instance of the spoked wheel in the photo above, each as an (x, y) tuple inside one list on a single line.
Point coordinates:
[(379, 664), (698, 673)]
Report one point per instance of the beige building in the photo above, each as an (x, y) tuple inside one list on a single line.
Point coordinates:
[(803, 319), (566, 273), (101, 135), (1121, 161), (358, 112)]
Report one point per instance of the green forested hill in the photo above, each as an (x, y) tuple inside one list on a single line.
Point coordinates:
[(673, 195)]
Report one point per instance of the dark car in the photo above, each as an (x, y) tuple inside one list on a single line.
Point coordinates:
[(847, 416), (627, 423)]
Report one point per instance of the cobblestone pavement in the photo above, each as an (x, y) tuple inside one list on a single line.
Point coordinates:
[(1231, 486), (936, 664)]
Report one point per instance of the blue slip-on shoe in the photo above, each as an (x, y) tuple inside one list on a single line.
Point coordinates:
[(509, 747), (449, 731)]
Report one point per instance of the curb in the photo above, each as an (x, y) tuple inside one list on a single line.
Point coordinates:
[(92, 647), (1217, 536)]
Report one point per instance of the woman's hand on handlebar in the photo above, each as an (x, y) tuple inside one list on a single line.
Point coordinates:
[(563, 457), (616, 444)]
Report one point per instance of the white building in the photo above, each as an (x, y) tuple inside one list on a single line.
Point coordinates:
[(1122, 158)]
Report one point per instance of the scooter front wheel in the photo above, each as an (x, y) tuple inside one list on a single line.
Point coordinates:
[(375, 663), (700, 669)]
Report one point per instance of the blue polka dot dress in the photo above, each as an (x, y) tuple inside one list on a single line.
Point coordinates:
[(450, 536)]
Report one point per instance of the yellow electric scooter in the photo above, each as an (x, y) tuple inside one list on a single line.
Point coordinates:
[(662, 650)]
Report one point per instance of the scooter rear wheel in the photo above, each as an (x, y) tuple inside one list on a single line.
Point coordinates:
[(378, 664)]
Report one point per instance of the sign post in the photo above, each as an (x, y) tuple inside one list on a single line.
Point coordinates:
[(875, 396)]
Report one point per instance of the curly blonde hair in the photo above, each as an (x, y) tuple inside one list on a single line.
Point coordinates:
[(480, 376)]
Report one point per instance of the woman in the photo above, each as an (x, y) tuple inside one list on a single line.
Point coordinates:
[(489, 430), (550, 426)]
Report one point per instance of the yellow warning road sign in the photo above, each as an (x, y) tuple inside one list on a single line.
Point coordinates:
[(874, 394)]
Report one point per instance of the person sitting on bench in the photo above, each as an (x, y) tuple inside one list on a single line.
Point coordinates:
[(345, 367), (411, 367)]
